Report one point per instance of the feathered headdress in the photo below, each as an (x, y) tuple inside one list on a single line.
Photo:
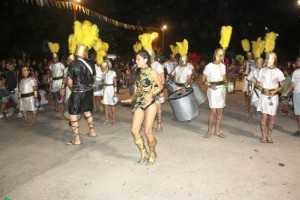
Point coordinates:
[(270, 41), (246, 45), (183, 47), (72, 44), (102, 52), (174, 49), (86, 35), (226, 32), (137, 46), (54, 48), (258, 47), (146, 40)]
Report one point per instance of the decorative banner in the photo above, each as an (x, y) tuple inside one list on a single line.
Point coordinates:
[(86, 11)]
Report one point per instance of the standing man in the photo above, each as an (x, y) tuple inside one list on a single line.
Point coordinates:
[(56, 79), (270, 82), (295, 86), (11, 80), (80, 79), (250, 65), (214, 77)]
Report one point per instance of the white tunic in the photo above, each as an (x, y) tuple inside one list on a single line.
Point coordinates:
[(215, 73), (57, 70), (296, 81), (170, 67), (99, 80), (158, 68), (181, 75), (269, 79), (108, 91), (255, 92), (250, 66), (27, 86)]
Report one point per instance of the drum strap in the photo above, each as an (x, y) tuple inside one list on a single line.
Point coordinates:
[(256, 93)]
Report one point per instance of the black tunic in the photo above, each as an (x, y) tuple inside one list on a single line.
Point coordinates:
[(81, 101)]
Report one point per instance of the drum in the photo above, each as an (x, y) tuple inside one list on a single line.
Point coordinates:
[(98, 86), (199, 94), (184, 106), (171, 86)]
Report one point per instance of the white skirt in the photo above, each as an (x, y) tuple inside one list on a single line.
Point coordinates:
[(216, 98), (108, 95), (268, 105), (27, 104), (296, 101), (255, 97)]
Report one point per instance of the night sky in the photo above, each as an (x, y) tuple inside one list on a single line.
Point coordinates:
[(25, 27)]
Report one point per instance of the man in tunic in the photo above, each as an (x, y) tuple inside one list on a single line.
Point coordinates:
[(56, 81), (80, 79)]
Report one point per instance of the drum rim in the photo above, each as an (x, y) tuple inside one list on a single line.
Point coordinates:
[(189, 91)]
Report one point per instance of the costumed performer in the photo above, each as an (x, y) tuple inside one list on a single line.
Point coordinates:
[(147, 87), (214, 77)]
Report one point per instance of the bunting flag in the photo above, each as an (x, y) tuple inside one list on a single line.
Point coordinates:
[(86, 11)]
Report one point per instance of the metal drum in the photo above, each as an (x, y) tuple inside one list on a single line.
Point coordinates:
[(184, 106), (171, 86), (199, 94)]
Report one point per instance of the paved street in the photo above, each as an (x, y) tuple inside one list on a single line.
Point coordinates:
[(36, 164)]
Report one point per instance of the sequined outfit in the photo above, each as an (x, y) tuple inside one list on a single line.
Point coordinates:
[(144, 86)]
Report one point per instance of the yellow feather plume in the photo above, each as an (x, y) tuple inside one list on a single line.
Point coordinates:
[(246, 45), (54, 47), (154, 35), (105, 46), (270, 41), (183, 47), (99, 59), (72, 44), (226, 32), (86, 33), (102, 52), (78, 33), (98, 45), (146, 41), (91, 32), (174, 49), (137, 46), (258, 47)]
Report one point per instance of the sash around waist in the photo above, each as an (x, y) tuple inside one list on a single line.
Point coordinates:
[(82, 88), (27, 95), (57, 78), (108, 84), (217, 83)]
